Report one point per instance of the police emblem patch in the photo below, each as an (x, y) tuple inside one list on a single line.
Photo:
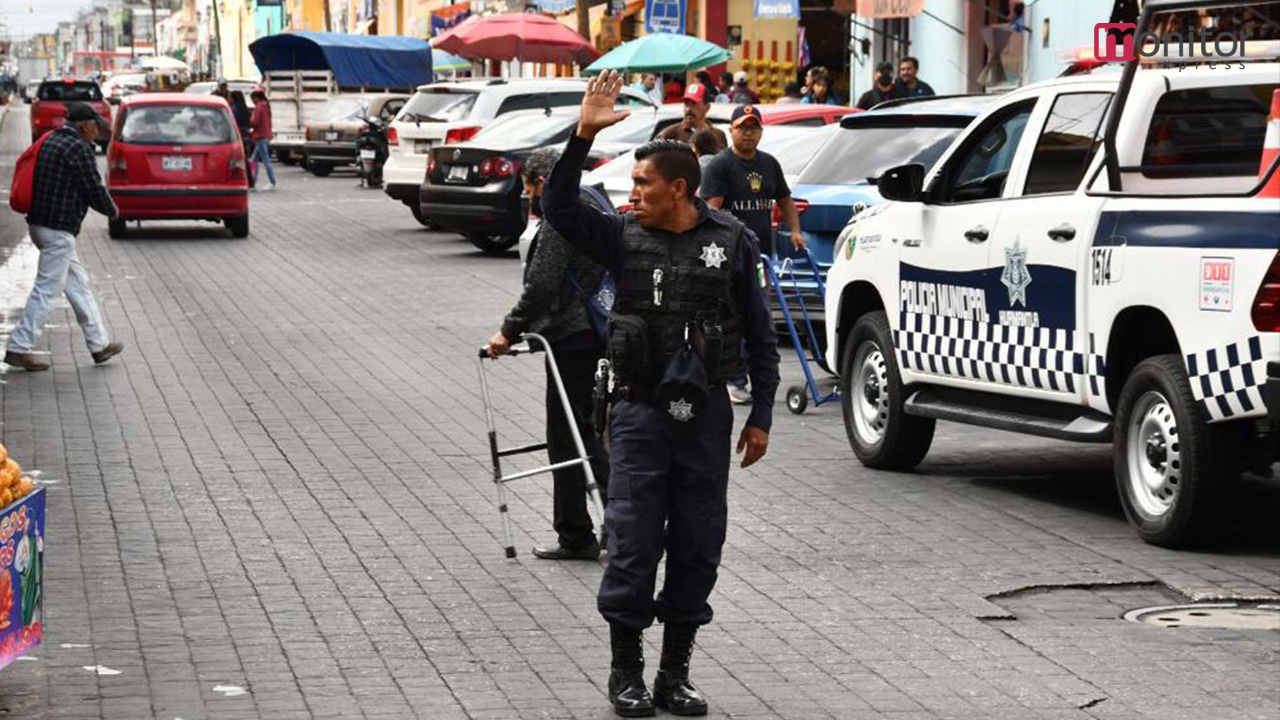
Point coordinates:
[(681, 410), (1016, 277), (713, 255)]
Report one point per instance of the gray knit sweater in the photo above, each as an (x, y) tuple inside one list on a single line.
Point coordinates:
[(549, 305)]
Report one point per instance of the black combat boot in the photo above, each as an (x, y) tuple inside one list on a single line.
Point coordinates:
[(627, 691), (672, 690)]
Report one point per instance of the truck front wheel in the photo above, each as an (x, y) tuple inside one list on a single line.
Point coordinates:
[(1169, 477), (880, 432)]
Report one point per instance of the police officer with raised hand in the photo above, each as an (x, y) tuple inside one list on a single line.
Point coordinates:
[(686, 297)]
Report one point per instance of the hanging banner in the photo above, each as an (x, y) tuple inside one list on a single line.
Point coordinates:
[(777, 9), (664, 16), (445, 18)]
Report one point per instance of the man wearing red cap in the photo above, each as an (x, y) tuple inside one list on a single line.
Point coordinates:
[(696, 104)]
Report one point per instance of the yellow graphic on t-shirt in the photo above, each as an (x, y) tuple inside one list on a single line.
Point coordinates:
[(755, 180)]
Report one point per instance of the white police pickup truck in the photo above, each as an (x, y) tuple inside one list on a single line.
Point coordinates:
[(1042, 280)]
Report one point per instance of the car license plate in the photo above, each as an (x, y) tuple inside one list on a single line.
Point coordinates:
[(422, 147), (458, 173), (331, 136), (176, 163), (368, 154)]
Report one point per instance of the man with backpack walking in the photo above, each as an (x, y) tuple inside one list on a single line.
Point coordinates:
[(55, 183), (559, 286)]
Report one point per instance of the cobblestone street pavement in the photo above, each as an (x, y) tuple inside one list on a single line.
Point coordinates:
[(277, 504)]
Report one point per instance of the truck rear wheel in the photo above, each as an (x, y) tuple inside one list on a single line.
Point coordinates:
[(880, 432), (1169, 477)]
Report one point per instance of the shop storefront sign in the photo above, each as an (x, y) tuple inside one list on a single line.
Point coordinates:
[(664, 16), (777, 9), (884, 9)]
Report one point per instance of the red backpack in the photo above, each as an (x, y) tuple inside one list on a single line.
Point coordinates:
[(24, 172)]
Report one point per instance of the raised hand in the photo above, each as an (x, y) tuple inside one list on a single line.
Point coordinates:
[(597, 104)]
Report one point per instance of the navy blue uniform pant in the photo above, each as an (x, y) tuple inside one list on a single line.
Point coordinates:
[(668, 485)]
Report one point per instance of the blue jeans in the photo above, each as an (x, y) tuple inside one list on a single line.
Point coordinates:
[(262, 154), (59, 271)]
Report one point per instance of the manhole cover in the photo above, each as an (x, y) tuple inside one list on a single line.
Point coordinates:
[(1232, 616)]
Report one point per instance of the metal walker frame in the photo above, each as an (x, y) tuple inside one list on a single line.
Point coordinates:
[(496, 453)]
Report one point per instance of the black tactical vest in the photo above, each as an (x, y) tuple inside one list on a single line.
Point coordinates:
[(672, 280)]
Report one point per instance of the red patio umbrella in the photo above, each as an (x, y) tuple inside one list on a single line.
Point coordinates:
[(517, 36)]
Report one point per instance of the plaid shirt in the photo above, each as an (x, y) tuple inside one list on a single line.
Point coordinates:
[(66, 183)]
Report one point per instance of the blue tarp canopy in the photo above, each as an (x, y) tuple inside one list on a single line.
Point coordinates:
[(373, 61)]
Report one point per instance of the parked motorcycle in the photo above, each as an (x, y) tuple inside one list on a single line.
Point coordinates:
[(371, 152)]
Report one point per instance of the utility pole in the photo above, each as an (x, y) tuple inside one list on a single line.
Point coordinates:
[(214, 68), (584, 20), (155, 35)]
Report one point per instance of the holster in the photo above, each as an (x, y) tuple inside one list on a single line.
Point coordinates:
[(629, 353), (707, 338)]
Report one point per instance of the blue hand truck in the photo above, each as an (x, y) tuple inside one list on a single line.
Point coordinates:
[(780, 274)]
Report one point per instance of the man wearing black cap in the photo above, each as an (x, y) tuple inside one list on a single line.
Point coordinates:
[(686, 297), (883, 88), (64, 186), (747, 183)]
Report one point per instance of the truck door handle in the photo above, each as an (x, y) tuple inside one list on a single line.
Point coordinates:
[(1062, 233), (977, 234)]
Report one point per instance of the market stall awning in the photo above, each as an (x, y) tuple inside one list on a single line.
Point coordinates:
[(517, 36), (374, 61), (660, 52)]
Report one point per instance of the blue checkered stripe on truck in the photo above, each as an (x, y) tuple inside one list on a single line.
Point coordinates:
[(1039, 358), (1227, 381)]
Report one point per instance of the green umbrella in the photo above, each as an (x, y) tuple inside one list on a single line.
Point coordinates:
[(442, 61), (660, 52)]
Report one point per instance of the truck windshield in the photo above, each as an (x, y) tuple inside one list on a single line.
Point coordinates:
[(343, 109), (433, 106), (59, 91), (175, 125), (856, 154)]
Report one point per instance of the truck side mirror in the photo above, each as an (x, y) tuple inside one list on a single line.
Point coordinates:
[(904, 183)]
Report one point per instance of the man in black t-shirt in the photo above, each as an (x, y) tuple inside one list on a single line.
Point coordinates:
[(747, 183)]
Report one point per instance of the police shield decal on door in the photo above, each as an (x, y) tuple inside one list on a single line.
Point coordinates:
[(993, 325), (1015, 276)]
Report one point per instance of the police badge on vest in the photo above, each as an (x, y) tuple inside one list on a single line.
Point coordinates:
[(675, 332)]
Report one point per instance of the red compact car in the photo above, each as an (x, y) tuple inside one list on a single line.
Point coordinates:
[(177, 156), (804, 114), (49, 108)]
